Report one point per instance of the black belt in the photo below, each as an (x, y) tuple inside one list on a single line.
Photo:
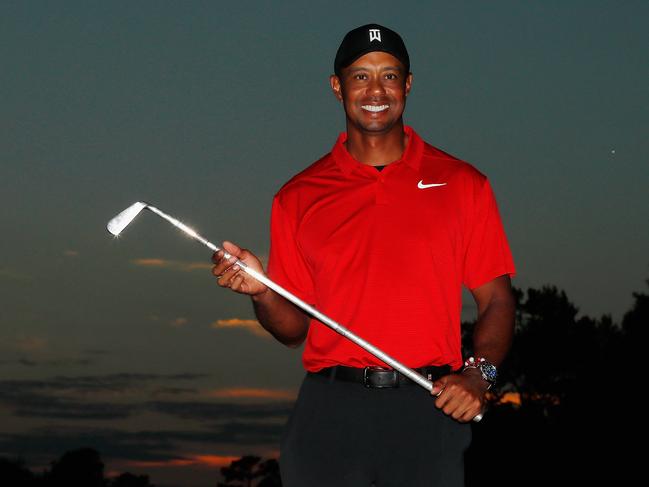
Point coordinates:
[(380, 377)]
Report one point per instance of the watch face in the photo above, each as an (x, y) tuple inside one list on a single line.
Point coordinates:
[(489, 371)]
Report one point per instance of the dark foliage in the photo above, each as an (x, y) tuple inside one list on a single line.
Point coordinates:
[(82, 468), (76, 468), (242, 473), (130, 480), (578, 380), (14, 472)]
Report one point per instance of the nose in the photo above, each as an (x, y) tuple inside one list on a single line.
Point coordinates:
[(375, 86)]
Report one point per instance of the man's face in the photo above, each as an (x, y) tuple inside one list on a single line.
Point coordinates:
[(373, 90)]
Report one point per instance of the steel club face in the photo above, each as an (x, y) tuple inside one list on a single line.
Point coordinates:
[(121, 221)]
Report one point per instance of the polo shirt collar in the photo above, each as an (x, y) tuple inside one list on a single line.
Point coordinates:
[(411, 156)]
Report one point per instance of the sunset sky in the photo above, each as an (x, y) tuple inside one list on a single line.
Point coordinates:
[(206, 109)]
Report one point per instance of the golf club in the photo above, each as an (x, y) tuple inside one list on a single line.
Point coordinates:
[(123, 219)]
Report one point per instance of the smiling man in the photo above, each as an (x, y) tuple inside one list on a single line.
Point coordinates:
[(381, 234)]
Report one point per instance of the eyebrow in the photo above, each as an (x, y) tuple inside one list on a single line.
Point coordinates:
[(361, 68)]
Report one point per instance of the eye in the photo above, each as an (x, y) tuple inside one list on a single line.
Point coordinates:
[(360, 76), (391, 76)]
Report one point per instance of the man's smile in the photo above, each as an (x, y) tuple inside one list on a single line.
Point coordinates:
[(375, 108)]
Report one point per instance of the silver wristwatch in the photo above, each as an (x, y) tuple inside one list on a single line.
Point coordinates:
[(486, 368)]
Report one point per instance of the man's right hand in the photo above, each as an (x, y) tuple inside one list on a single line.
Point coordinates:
[(284, 320), (230, 275)]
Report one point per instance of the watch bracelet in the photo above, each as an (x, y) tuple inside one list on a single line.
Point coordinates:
[(473, 363)]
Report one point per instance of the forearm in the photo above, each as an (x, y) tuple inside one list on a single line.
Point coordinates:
[(494, 331), (463, 396), (285, 321)]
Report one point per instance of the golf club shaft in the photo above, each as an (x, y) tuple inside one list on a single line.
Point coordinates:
[(337, 327)]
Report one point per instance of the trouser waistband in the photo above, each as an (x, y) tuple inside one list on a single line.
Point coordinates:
[(379, 377)]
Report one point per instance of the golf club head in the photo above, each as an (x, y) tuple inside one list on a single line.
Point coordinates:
[(121, 221)]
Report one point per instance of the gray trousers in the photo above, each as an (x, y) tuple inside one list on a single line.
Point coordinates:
[(342, 434)]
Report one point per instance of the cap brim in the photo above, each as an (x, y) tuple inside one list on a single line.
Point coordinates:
[(359, 55)]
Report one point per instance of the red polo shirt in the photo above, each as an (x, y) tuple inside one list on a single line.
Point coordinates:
[(385, 253)]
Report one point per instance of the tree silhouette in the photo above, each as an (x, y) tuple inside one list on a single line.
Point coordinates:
[(128, 479), (248, 468), (77, 468), (547, 330), (579, 381), (269, 473), (15, 473), (635, 323)]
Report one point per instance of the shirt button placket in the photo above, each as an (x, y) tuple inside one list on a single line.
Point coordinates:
[(381, 194)]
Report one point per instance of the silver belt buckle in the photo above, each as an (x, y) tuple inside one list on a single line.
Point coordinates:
[(377, 368)]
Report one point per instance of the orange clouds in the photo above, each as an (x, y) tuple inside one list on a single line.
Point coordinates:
[(516, 400), (150, 262), (180, 321), (513, 398), (173, 265), (253, 393), (31, 344), (213, 461), (252, 326)]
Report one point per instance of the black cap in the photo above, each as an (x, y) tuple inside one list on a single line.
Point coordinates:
[(369, 38)]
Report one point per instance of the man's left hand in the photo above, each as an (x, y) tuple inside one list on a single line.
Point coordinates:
[(461, 396)]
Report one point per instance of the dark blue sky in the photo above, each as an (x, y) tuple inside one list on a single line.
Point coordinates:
[(206, 109)]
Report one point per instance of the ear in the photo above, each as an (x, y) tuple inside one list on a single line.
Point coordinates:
[(408, 83), (334, 81)]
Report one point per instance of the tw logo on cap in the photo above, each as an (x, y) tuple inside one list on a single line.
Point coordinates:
[(375, 35)]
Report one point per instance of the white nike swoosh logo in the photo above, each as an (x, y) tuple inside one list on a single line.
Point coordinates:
[(421, 185)]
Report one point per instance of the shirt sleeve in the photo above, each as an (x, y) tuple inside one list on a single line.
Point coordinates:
[(286, 264), (486, 252)]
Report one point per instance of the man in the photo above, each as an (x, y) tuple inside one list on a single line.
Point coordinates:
[(381, 234)]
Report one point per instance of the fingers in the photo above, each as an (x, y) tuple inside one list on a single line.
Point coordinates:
[(460, 406), (232, 248), (228, 248), (229, 274), (438, 386), (224, 268), (226, 277), (457, 400), (237, 282), (233, 278)]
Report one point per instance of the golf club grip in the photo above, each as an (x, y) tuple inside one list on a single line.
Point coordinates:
[(337, 327)]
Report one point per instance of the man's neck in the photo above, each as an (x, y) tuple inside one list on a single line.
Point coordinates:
[(376, 149)]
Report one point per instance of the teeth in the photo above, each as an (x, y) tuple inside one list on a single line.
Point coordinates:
[(375, 108)]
